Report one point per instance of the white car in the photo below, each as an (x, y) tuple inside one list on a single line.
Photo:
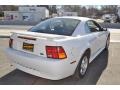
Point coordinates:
[(111, 18), (58, 47)]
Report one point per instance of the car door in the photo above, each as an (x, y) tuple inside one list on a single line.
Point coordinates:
[(102, 35), (93, 34)]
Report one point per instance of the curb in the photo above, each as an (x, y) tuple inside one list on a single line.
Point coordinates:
[(3, 36), (115, 41)]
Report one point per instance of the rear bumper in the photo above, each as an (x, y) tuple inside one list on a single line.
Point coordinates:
[(39, 66)]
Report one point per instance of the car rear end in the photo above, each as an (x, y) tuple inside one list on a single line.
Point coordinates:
[(40, 55)]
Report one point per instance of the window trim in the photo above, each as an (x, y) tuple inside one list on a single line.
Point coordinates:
[(79, 21), (95, 25)]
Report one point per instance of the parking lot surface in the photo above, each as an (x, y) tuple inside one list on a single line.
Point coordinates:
[(105, 69)]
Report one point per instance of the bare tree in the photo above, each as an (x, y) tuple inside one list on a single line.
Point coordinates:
[(8, 8), (109, 9)]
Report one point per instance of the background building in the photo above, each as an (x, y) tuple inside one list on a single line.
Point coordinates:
[(27, 13), (62, 12)]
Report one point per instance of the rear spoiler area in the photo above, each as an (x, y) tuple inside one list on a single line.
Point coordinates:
[(38, 35)]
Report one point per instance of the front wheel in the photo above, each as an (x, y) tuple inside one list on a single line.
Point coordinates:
[(107, 42)]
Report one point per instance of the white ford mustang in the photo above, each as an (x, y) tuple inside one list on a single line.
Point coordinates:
[(58, 47)]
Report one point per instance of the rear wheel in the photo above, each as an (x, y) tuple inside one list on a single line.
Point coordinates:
[(83, 66)]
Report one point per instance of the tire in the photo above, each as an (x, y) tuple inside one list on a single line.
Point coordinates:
[(85, 59), (107, 43)]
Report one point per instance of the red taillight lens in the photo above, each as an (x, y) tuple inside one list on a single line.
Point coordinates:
[(10, 43), (55, 52)]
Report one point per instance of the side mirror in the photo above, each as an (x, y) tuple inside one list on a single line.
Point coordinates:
[(104, 29)]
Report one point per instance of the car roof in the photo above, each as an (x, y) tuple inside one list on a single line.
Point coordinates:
[(76, 17)]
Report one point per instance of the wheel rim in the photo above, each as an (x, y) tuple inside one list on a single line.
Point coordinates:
[(84, 65)]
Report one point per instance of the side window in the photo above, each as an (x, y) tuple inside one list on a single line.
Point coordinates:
[(93, 26)]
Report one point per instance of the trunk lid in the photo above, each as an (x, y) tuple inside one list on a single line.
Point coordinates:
[(34, 43)]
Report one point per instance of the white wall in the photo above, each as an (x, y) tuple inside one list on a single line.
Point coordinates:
[(46, 13), (38, 12), (31, 9), (9, 15), (27, 16)]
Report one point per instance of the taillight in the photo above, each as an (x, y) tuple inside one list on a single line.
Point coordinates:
[(10, 43), (55, 52)]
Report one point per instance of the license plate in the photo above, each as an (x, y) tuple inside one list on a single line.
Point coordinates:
[(28, 47)]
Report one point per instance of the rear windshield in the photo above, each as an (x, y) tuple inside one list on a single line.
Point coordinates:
[(59, 26)]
